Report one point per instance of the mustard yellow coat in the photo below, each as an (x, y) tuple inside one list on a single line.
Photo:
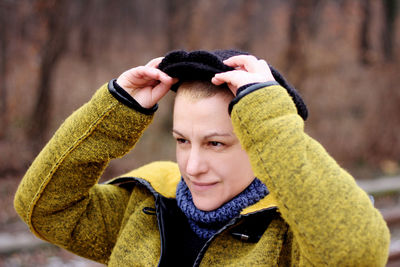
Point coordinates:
[(324, 219)]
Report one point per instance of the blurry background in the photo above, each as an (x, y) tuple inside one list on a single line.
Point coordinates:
[(342, 56)]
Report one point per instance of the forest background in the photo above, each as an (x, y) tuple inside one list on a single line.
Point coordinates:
[(342, 56)]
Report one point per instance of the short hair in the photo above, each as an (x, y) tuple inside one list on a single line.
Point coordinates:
[(203, 89)]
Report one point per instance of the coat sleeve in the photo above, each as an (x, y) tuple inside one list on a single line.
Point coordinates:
[(333, 220), (59, 197)]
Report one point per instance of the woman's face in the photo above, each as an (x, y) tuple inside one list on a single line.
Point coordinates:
[(210, 157)]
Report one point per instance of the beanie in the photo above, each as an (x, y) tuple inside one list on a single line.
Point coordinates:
[(203, 65)]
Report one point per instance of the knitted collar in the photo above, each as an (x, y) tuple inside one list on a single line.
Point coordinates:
[(206, 223)]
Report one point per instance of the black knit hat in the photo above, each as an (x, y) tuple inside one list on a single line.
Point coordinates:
[(203, 65)]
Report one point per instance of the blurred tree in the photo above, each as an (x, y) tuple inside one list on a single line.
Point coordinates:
[(106, 36), (365, 32), (4, 9), (55, 18), (383, 121), (243, 24), (387, 32), (303, 27), (85, 9), (3, 71), (178, 16), (390, 11)]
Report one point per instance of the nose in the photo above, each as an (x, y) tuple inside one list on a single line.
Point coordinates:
[(196, 162)]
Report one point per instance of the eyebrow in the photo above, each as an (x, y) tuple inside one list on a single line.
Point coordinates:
[(212, 134), (177, 132)]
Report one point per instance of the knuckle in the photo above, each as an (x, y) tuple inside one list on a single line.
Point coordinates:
[(251, 57)]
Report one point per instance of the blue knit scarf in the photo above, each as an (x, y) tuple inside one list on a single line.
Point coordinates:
[(206, 223)]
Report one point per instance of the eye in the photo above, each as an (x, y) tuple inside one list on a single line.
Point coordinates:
[(215, 143), (181, 141)]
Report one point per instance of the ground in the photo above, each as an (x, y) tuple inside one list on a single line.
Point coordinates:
[(18, 247)]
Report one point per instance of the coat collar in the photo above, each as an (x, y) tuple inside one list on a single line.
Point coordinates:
[(164, 176), (267, 202)]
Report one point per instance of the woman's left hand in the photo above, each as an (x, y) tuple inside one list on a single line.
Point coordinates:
[(248, 69)]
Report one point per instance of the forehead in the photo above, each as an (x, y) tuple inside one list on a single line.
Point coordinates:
[(202, 115), (203, 89)]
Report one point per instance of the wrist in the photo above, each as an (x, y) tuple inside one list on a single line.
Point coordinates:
[(125, 98), (247, 89)]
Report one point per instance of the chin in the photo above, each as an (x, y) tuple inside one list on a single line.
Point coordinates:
[(206, 205)]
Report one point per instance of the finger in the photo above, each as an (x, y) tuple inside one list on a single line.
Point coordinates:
[(217, 81), (246, 62), (262, 63), (164, 78), (150, 73), (224, 77), (154, 62), (235, 77), (239, 78), (221, 78), (232, 78), (160, 91), (153, 83), (267, 70)]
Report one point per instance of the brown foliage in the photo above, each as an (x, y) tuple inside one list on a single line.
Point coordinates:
[(54, 45), (54, 54)]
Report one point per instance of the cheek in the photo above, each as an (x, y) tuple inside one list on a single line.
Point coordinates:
[(241, 159), (236, 169), (181, 158)]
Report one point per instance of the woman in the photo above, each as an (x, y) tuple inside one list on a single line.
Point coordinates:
[(209, 208)]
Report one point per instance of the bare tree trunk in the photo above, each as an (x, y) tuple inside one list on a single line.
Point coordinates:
[(85, 31), (246, 11), (302, 27), (390, 12), (364, 32), (53, 49), (178, 16), (3, 71)]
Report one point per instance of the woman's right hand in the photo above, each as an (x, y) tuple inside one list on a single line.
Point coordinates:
[(146, 84)]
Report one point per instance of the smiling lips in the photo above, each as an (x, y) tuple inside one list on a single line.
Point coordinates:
[(200, 187)]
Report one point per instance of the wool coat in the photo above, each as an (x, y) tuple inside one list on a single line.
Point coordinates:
[(314, 215)]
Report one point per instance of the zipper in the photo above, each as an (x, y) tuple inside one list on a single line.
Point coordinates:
[(228, 225), (160, 228), (155, 211), (207, 244)]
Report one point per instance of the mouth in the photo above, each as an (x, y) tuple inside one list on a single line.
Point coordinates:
[(201, 186)]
